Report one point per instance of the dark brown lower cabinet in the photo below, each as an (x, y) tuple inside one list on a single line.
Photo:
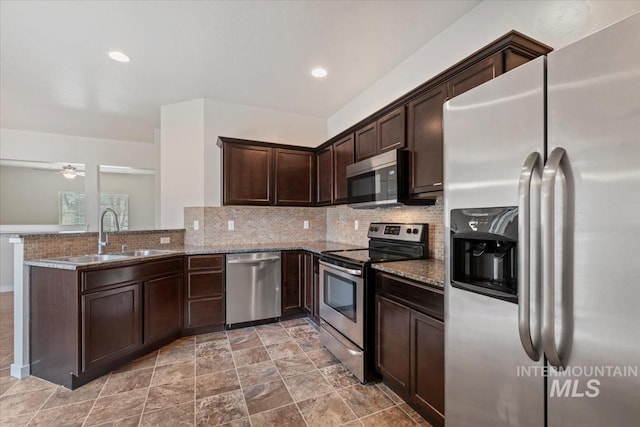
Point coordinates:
[(162, 308), (307, 263), (393, 324), (427, 366), (204, 308), (410, 343), (299, 294), (292, 282), (110, 325), (85, 323)]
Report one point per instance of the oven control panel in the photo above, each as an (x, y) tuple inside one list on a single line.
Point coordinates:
[(400, 232)]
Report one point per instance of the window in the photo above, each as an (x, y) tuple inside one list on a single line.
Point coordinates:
[(72, 212)]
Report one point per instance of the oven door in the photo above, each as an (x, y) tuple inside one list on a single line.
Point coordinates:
[(342, 300)]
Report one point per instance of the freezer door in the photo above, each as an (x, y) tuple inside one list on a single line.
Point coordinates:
[(489, 132), (594, 114)]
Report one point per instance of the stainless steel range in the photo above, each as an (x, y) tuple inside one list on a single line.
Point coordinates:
[(347, 291)]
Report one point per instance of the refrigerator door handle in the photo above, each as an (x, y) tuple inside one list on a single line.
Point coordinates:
[(548, 258), (528, 259)]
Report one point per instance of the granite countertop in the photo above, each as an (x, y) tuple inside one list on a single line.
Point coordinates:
[(315, 247), (428, 271)]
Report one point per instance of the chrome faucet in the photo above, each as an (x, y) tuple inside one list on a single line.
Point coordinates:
[(104, 243)]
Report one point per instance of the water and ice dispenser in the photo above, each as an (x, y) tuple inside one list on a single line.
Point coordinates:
[(484, 245)]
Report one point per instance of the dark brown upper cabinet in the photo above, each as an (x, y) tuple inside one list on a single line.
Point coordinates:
[(367, 141), (386, 133), (343, 155), (391, 130), (294, 170), (247, 174), (425, 141), (475, 75), (324, 175), (258, 173), (423, 108)]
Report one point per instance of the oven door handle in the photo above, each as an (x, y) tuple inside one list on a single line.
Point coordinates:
[(351, 271)]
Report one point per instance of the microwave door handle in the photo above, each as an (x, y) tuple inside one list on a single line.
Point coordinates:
[(549, 226), (527, 259)]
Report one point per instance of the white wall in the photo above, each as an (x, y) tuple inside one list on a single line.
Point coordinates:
[(555, 23), (6, 265), (181, 160), (48, 147), (31, 196), (190, 157)]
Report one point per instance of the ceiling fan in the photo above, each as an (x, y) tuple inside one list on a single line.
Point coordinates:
[(70, 172)]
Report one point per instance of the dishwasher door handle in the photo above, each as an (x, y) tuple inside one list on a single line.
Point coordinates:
[(252, 261)]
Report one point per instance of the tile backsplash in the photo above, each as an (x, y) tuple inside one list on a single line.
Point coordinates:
[(57, 244), (285, 224), (264, 224), (342, 219)]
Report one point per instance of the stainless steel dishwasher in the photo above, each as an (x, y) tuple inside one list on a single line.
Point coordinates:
[(253, 288)]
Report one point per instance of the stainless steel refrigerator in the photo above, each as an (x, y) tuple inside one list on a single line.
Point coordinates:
[(559, 139)]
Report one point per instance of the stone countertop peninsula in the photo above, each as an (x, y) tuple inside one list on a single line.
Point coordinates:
[(428, 271), (316, 247)]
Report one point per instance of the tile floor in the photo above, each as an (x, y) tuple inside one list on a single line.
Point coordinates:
[(270, 375)]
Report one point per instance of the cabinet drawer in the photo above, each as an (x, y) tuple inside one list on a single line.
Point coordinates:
[(413, 294), (210, 262), (96, 279), (205, 284), (205, 312)]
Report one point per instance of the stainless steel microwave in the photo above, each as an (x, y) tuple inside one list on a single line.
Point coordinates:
[(376, 182)]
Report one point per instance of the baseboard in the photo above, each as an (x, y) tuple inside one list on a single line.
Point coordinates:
[(6, 288), (20, 371)]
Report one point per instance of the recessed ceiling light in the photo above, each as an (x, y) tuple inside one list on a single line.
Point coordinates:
[(119, 56), (319, 73)]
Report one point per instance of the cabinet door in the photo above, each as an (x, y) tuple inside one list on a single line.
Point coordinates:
[(324, 175), (343, 154), (475, 75), (393, 325), (162, 308), (203, 312), (292, 274), (110, 325), (294, 177), (247, 171), (307, 262), (367, 141), (427, 366), (391, 131), (425, 141)]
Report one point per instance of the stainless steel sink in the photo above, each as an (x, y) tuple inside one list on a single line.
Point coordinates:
[(85, 259), (91, 258), (146, 252)]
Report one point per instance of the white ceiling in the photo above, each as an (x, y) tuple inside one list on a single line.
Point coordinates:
[(55, 75)]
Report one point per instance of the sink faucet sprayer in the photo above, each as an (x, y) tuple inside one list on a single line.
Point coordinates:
[(104, 243)]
